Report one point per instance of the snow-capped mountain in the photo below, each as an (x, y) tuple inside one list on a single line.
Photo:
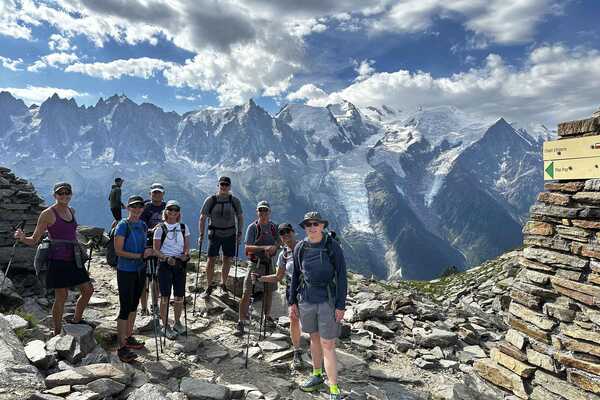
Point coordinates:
[(410, 193)]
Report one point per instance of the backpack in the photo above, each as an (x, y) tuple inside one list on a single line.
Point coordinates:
[(215, 201), (253, 257), (164, 229), (111, 255), (329, 238)]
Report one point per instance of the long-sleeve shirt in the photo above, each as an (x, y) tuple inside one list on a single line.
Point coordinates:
[(318, 272), (115, 197)]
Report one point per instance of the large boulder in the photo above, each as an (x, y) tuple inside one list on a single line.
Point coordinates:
[(86, 374), (18, 378)]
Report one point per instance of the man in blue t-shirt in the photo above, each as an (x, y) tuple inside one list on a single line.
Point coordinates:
[(152, 216), (130, 248)]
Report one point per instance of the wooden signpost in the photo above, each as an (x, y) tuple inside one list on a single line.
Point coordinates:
[(577, 158)]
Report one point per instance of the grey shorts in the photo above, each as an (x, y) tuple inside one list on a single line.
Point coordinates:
[(262, 268), (319, 318)]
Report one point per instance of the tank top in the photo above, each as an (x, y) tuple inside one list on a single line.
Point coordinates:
[(62, 230)]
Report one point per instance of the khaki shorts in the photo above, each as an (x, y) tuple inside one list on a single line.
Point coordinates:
[(319, 318), (260, 269)]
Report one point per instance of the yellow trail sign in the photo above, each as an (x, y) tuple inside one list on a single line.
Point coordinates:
[(588, 146), (577, 168)]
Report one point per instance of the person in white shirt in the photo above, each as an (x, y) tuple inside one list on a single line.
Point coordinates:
[(172, 247)]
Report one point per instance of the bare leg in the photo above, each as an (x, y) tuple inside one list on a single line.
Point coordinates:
[(225, 269), (86, 291), (210, 270), (268, 298), (130, 324), (328, 346), (295, 332), (164, 304), (122, 327), (244, 304), (178, 307), (316, 351), (60, 296), (144, 298)]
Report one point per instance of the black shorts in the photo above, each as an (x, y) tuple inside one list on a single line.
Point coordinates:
[(130, 286), (65, 274), (116, 212), (171, 276), (215, 243)]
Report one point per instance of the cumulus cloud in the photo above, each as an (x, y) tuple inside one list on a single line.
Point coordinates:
[(364, 69), (555, 84), (59, 43), (143, 67), (53, 60), (37, 94), (11, 64), (309, 92)]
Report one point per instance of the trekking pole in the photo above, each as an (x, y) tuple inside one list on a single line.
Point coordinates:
[(262, 309), (166, 322), (184, 300), (237, 252), (150, 265), (249, 322), (90, 259), (197, 273), (12, 255)]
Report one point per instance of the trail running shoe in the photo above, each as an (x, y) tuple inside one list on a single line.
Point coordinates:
[(297, 362), (169, 333), (312, 384), (133, 343), (206, 294), (335, 396), (144, 312), (239, 329), (126, 355), (179, 328)]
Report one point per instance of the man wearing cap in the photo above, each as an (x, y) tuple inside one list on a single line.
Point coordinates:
[(226, 220), (131, 250), (152, 216), (115, 199), (318, 297), (63, 270), (262, 243)]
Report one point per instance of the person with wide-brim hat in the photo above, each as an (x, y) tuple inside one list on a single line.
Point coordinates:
[(318, 297), (63, 272)]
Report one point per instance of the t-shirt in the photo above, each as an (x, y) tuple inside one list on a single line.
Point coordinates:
[(174, 241), (135, 242), (286, 260), (266, 235), (223, 214), (152, 215)]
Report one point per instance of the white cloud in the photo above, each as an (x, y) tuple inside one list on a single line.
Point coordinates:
[(308, 92), (53, 60), (364, 69), (13, 25), (555, 84), (11, 64), (37, 94), (187, 98), (143, 67), (60, 43)]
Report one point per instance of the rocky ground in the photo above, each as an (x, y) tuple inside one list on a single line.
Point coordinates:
[(402, 340)]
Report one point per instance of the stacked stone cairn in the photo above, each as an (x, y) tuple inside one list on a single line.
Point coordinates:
[(552, 348), (18, 202)]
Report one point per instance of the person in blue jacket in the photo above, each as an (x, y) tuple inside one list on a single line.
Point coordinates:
[(318, 296)]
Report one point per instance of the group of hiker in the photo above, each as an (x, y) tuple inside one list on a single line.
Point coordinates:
[(152, 247)]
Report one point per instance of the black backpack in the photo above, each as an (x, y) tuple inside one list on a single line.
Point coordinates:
[(164, 229), (215, 200), (299, 252), (253, 257), (111, 255)]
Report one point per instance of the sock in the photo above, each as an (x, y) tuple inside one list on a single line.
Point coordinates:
[(317, 371), (334, 389)]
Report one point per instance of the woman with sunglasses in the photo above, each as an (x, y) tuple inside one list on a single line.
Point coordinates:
[(285, 267), (63, 273), (172, 247)]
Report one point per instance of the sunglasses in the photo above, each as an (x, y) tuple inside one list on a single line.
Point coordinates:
[(263, 210), (136, 205), (309, 224), (224, 184), (64, 193), (285, 231), (174, 209)]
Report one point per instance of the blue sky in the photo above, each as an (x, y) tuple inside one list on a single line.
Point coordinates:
[(531, 61)]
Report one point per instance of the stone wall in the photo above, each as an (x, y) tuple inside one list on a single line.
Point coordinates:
[(18, 202), (552, 348)]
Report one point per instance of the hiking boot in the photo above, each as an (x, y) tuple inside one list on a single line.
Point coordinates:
[(297, 362), (133, 343), (179, 328), (169, 333), (144, 312), (269, 323), (335, 396), (312, 384), (126, 355), (206, 294), (224, 290), (239, 329)]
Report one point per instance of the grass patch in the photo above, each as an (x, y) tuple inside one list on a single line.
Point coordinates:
[(33, 321)]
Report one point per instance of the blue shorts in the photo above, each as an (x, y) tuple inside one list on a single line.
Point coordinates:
[(171, 277)]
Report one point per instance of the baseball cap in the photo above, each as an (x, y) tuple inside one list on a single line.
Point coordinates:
[(225, 179), (62, 185), (135, 200), (157, 187), (172, 203), (263, 204)]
